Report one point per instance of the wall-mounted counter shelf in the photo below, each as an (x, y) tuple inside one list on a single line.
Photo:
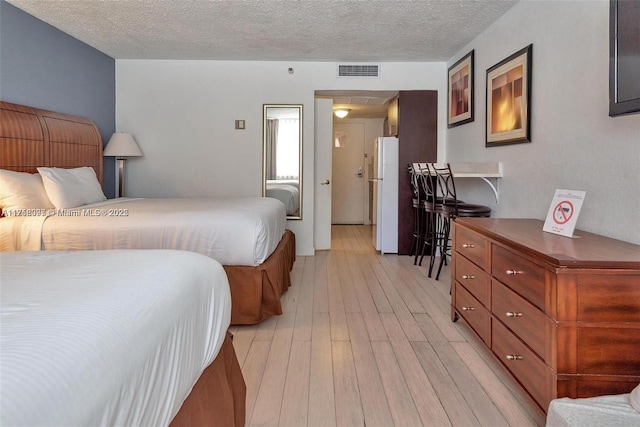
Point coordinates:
[(483, 170)]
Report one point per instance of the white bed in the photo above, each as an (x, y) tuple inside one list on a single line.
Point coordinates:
[(289, 195), (106, 337), (240, 231)]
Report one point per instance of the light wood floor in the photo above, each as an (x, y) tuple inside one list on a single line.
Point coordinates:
[(366, 339)]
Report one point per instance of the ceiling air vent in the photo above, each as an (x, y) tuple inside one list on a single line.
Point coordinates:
[(358, 70)]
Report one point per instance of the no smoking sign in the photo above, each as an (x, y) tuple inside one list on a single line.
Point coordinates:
[(563, 212)]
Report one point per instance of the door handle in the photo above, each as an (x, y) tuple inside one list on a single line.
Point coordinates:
[(360, 172), (325, 182)]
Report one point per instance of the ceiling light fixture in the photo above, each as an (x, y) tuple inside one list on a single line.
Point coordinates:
[(341, 112)]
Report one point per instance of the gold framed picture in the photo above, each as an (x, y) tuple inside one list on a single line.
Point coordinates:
[(461, 91), (509, 100)]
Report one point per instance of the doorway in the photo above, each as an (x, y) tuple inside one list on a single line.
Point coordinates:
[(348, 166), (366, 107)]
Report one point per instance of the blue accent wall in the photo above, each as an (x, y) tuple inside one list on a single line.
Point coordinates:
[(43, 67)]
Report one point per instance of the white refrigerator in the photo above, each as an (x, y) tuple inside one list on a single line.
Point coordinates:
[(385, 195)]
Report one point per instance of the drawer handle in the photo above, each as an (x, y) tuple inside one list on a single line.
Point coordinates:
[(467, 308), (513, 357), (468, 277), (468, 245), (513, 314), (513, 272)]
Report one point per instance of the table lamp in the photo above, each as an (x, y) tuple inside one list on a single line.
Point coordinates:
[(121, 146)]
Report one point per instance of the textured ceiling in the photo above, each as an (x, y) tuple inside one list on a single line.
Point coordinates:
[(277, 30), (268, 30)]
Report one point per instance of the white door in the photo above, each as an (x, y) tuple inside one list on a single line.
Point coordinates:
[(322, 177), (348, 163)]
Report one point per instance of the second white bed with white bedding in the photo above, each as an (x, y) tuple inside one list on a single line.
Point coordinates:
[(238, 231)]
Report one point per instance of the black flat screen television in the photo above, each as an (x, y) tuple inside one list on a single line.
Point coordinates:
[(624, 57)]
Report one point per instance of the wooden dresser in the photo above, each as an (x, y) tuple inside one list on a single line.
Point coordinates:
[(561, 314)]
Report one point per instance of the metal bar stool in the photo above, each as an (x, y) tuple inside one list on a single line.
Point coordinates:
[(433, 223), (432, 207), (452, 208), (417, 200)]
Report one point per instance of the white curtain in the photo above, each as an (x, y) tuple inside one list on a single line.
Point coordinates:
[(288, 149), (271, 151)]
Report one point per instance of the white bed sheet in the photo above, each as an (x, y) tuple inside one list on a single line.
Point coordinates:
[(238, 231), (287, 194), (106, 337)]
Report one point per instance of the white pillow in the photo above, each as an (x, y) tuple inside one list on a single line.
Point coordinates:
[(22, 190), (634, 398), (70, 188)]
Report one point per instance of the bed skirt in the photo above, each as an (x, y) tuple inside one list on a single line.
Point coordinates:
[(218, 397), (256, 291)]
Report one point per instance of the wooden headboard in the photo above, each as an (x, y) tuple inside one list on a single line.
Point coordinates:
[(30, 138)]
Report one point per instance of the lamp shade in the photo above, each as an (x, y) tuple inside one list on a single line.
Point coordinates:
[(122, 145), (341, 112)]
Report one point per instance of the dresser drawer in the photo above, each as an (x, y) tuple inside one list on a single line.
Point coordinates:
[(524, 319), (599, 350), (473, 312), (473, 278), (601, 297), (473, 246), (520, 274), (528, 369)]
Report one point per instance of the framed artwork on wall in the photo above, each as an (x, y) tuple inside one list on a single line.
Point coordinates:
[(461, 91), (509, 100), (624, 57)]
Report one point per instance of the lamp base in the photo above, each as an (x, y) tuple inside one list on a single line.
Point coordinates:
[(120, 186)]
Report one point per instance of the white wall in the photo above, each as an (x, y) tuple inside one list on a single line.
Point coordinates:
[(182, 115), (576, 145)]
